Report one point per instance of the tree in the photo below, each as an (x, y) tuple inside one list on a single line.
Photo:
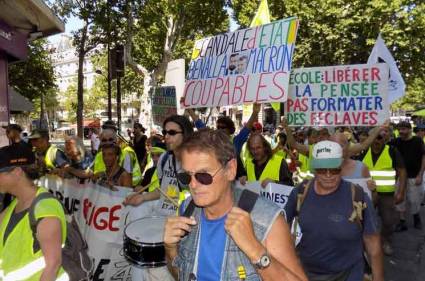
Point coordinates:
[(334, 32), (166, 30), (85, 39), (34, 78)]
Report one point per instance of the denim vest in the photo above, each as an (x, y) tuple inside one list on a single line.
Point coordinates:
[(263, 216)]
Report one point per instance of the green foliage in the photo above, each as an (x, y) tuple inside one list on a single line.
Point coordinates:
[(334, 32), (193, 18), (34, 75)]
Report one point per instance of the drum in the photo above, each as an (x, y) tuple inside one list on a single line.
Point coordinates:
[(143, 242)]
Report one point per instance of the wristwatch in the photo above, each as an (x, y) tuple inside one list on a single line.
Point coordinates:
[(263, 261)]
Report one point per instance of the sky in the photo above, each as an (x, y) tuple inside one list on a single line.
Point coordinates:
[(75, 23), (72, 24)]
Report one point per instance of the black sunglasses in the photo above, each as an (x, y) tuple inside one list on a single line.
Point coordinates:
[(108, 140), (203, 178), (171, 132)]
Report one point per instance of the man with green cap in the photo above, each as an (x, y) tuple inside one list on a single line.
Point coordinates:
[(49, 156)]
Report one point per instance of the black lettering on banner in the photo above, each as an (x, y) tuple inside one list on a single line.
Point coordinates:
[(100, 269), (123, 271), (72, 205)]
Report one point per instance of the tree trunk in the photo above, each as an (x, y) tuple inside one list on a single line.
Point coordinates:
[(80, 77)]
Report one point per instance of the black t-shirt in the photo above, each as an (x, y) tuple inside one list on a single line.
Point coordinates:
[(139, 146), (412, 151)]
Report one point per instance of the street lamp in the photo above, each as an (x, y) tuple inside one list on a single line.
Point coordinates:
[(98, 71)]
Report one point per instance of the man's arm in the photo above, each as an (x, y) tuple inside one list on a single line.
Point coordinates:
[(373, 247), (49, 235), (278, 244), (359, 147), (419, 177), (256, 107), (301, 148)]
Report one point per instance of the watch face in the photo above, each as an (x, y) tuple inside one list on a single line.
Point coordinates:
[(264, 261)]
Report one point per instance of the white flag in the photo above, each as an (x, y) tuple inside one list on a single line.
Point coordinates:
[(380, 53)]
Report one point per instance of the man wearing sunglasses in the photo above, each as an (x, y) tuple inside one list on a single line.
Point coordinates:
[(176, 129), (224, 242), (331, 245)]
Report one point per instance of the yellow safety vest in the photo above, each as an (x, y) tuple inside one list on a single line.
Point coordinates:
[(305, 172), (382, 172), (49, 158), (17, 260), (271, 171), (99, 165), (137, 173)]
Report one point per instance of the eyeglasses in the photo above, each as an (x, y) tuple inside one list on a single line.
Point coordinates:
[(330, 171), (171, 132), (108, 140), (203, 178), (379, 137)]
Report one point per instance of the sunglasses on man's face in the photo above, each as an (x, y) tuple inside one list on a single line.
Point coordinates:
[(171, 132), (108, 140), (330, 171), (202, 177)]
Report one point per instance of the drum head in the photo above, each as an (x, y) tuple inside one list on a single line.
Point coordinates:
[(148, 230)]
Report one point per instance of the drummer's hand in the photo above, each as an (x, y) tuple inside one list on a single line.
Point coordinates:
[(176, 228), (134, 199), (239, 226)]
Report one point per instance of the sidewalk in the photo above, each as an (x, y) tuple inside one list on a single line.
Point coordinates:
[(408, 261)]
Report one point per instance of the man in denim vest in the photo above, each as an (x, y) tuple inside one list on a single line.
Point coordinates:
[(220, 241)]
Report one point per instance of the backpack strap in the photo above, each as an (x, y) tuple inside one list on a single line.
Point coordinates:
[(32, 218), (302, 193), (189, 209), (357, 197), (162, 164), (247, 200)]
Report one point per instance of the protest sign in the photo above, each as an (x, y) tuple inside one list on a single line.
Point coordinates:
[(346, 95), (245, 66), (277, 193), (163, 104)]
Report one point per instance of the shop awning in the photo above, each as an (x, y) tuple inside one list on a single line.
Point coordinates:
[(32, 17), (19, 103)]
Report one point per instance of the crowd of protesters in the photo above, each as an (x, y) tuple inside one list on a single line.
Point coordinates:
[(339, 227)]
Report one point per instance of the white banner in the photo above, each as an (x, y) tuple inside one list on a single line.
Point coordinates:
[(277, 193), (101, 217)]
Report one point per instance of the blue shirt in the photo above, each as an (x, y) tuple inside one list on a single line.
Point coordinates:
[(211, 250), (330, 242)]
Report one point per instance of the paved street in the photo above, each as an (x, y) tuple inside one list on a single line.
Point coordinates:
[(408, 261)]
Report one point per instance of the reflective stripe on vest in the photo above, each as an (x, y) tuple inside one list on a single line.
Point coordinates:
[(271, 171), (382, 172), (49, 158)]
